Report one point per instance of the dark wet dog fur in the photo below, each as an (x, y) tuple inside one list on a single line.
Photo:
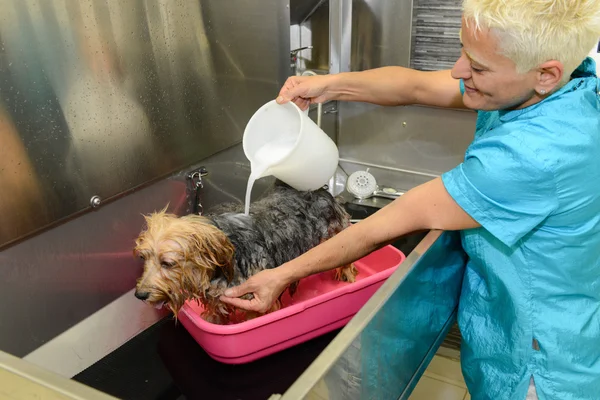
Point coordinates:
[(206, 255)]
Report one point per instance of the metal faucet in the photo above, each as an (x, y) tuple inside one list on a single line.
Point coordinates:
[(294, 58)]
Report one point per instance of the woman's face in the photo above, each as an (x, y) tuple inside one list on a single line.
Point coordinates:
[(491, 79)]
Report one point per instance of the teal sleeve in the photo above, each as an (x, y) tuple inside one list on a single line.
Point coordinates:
[(504, 187)]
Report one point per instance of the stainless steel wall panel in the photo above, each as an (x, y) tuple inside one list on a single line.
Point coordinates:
[(52, 281), (421, 139), (381, 32), (100, 96)]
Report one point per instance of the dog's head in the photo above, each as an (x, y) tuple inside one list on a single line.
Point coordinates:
[(181, 256)]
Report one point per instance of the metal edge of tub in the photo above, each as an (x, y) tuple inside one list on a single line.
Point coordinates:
[(322, 364), (20, 379)]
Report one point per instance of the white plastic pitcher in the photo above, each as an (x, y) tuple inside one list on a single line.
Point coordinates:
[(299, 152)]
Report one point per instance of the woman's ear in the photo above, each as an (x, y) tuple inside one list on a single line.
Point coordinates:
[(549, 76)]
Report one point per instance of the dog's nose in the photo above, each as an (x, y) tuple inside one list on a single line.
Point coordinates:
[(142, 295)]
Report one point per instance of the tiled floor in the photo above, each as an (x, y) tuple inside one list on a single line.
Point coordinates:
[(442, 380)]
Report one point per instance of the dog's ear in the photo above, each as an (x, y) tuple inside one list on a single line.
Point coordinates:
[(156, 215), (152, 222), (141, 236), (227, 270), (213, 249)]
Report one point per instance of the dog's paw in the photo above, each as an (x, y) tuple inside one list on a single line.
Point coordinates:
[(247, 296), (293, 288), (346, 274), (214, 318)]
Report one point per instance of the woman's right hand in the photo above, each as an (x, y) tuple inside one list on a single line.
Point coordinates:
[(306, 90), (265, 287)]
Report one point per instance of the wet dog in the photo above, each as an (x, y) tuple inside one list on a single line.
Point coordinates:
[(198, 257)]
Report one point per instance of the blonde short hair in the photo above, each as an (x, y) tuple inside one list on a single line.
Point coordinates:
[(531, 32)]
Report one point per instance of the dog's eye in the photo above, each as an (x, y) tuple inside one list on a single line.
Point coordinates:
[(142, 257), (167, 265)]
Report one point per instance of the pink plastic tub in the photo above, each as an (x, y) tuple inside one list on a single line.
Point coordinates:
[(320, 305)]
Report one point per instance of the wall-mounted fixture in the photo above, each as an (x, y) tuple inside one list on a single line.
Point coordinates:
[(294, 58)]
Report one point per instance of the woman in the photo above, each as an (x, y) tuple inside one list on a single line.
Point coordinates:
[(526, 197)]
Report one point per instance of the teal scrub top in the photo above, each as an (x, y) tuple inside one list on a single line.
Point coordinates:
[(530, 301)]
